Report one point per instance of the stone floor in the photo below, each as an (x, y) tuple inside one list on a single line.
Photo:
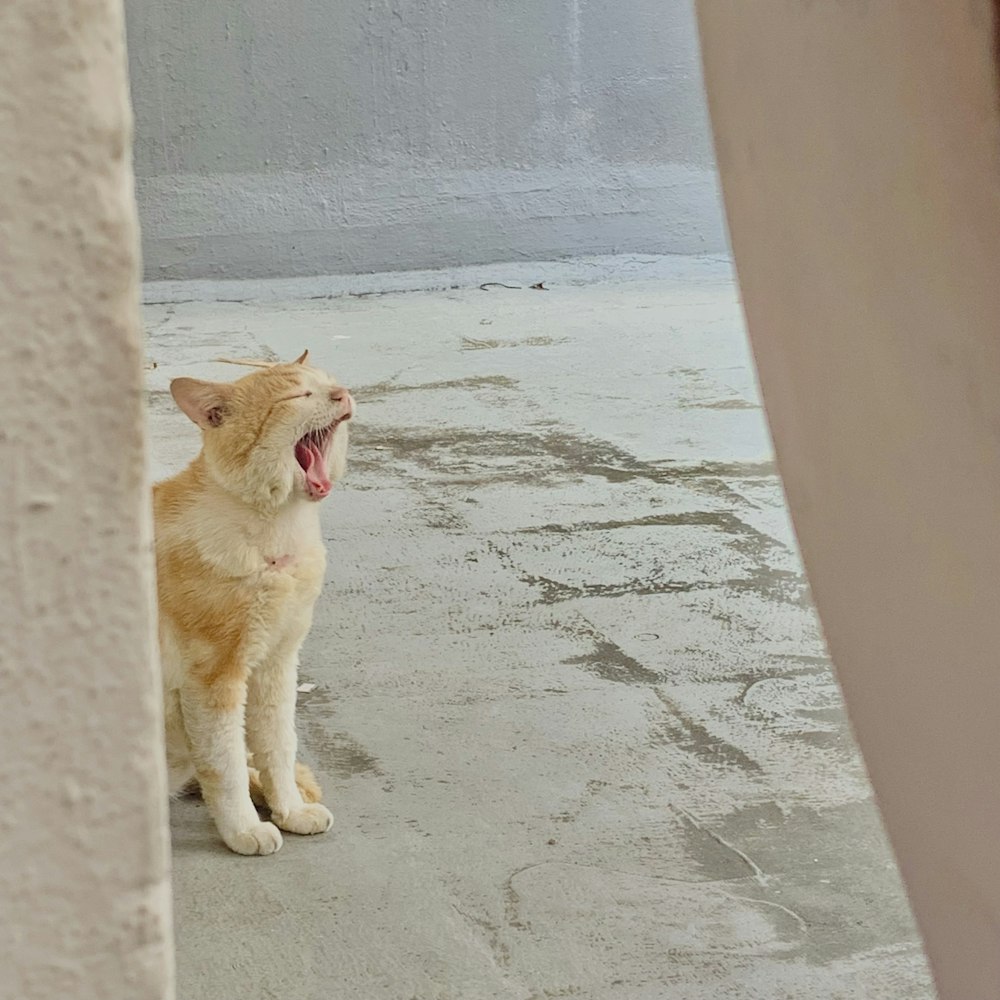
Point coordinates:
[(572, 710)]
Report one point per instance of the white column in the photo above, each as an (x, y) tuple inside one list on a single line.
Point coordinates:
[(84, 875)]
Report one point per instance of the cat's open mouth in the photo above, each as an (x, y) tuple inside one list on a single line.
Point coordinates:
[(312, 453)]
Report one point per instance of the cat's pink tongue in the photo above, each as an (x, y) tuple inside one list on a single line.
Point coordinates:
[(312, 461)]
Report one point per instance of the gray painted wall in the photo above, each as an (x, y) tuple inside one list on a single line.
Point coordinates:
[(341, 136)]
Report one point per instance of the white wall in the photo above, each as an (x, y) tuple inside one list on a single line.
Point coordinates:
[(339, 137)]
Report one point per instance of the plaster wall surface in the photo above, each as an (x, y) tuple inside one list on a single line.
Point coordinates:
[(276, 140), (84, 887)]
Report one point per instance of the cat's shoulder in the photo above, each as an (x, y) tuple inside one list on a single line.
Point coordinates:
[(179, 493)]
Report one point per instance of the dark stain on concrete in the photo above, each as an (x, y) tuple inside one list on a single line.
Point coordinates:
[(825, 740), (806, 661), (441, 515), (490, 932), (472, 344), (609, 661), (715, 858), (749, 680), (786, 586), (744, 538), (555, 592), (344, 756), (719, 404), (778, 585), (337, 753), (717, 519), (160, 401), (851, 900), (536, 457), (676, 728), (380, 390)]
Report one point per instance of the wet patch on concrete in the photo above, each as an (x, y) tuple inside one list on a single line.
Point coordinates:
[(665, 569), (490, 932), (473, 344), (538, 457), (675, 728), (720, 404), (441, 515), (555, 592), (809, 702), (343, 755), (713, 855), (371, 393), (830, 867), (785, 586), (805, 706), (336, 752), (159, 401), (779, 585), (611, 663)]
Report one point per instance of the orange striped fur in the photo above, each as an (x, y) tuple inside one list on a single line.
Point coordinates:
[(240, 562)]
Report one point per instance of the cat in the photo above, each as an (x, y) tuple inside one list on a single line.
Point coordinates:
[(239, 563)]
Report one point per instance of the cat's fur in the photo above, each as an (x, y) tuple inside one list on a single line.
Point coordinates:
[(240, 562)]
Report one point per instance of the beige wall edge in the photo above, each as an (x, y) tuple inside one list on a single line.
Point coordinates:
[(84, 879), (859, 147)]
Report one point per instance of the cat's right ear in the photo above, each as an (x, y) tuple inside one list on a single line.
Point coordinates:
[(204, 402)]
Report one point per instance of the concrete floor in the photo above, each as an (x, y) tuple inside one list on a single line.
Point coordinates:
[(572, 710)]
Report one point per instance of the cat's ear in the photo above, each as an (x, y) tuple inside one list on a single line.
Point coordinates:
[(301, 360), (204, 402)]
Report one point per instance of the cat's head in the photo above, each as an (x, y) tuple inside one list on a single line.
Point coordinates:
[(275, 434)]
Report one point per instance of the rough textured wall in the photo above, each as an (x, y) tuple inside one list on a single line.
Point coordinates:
[(324, 136), (84, 888)]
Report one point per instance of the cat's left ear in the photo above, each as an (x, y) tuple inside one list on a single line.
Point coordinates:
[(204, 402), (302, 359)]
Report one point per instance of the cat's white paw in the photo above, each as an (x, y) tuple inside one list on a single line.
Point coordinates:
[(311, 818), (261, 838)]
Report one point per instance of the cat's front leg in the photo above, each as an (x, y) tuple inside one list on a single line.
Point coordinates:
[(214, 719), (270, 727)]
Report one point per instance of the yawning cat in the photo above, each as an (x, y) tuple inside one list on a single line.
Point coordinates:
[(240, 562)]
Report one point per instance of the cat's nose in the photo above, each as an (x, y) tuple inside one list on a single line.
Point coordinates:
[(340, 395)]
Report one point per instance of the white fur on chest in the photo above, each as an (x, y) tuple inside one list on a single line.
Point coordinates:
[(241, 543)]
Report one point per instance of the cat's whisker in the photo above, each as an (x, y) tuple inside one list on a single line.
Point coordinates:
[(246, 362)]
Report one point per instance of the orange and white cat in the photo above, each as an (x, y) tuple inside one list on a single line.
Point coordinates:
[(240, 562)]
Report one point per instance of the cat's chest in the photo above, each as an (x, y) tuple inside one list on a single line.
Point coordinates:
[(290, 549), (288, 541), (267, 552)]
